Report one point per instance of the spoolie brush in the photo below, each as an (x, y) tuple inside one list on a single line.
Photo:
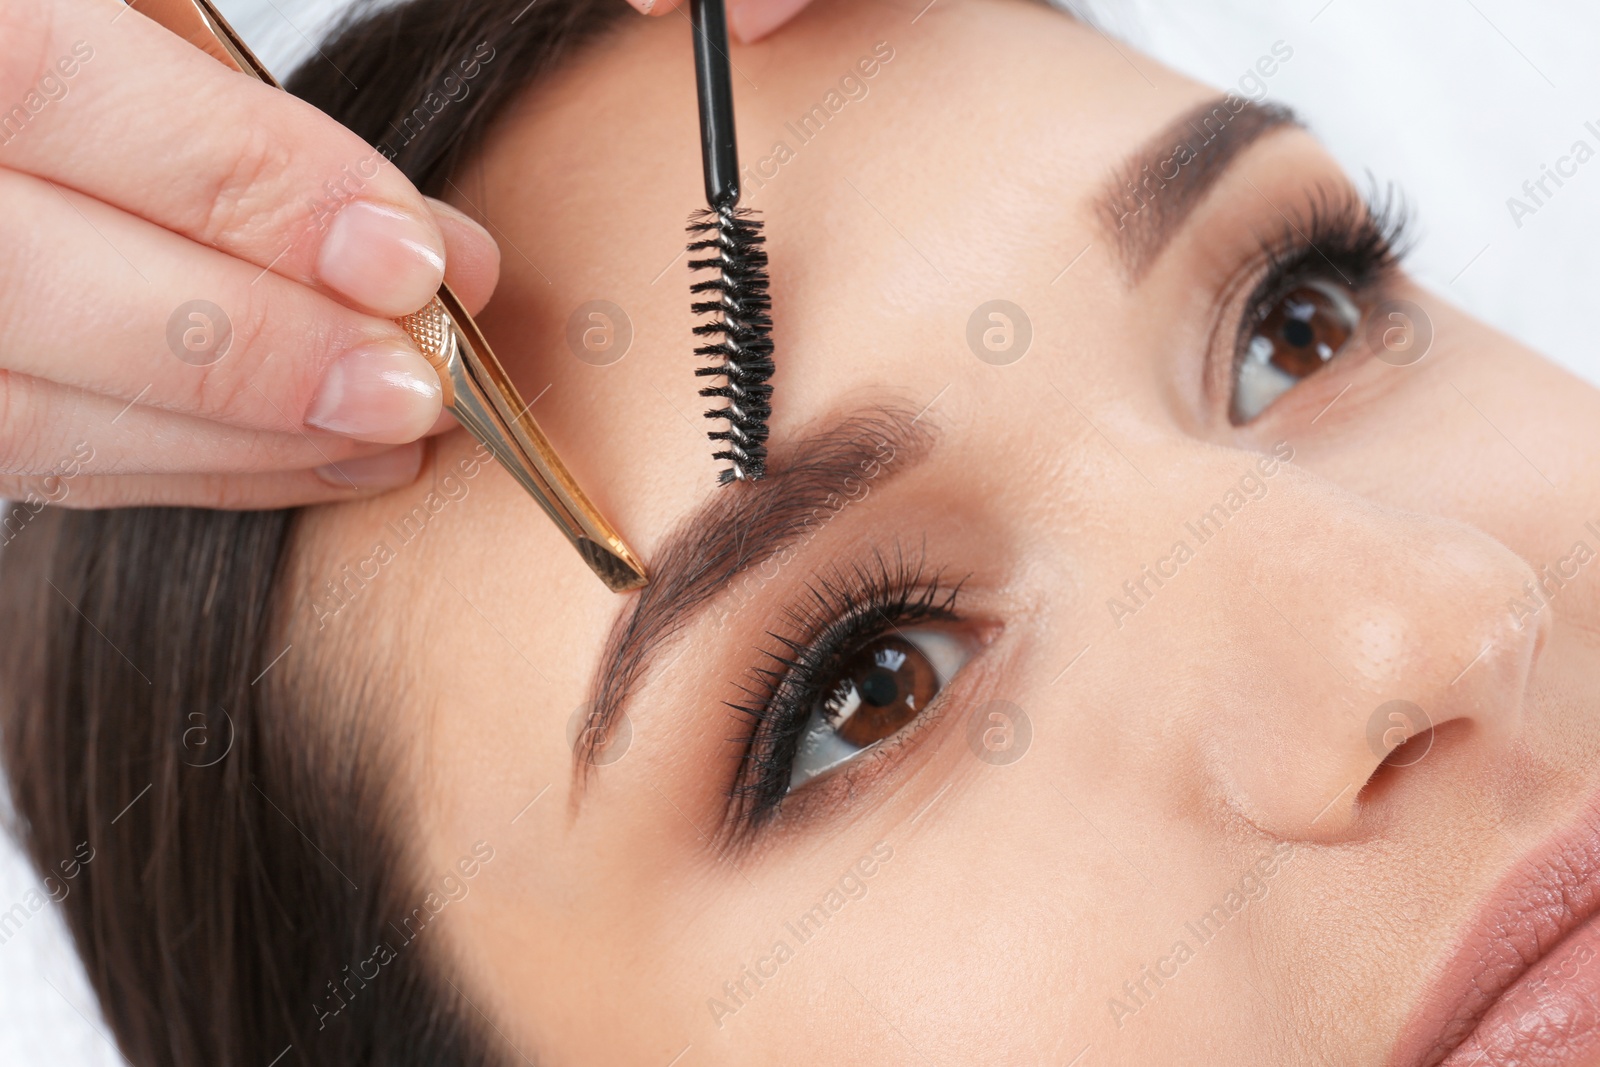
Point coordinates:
[(730, 241)]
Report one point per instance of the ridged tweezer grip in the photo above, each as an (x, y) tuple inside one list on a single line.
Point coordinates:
[(430, 330)]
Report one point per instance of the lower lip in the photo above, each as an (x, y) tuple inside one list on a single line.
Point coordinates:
[(1550, 1017)]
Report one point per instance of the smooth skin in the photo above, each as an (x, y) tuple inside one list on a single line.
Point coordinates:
[(1173, 752), (124, 207)]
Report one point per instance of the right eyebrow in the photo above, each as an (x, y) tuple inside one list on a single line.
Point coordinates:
[(734, 529), (1148, 198)]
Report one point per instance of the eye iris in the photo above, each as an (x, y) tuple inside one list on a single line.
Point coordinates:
[(1294, 335), (1304, 329), (882, 687)]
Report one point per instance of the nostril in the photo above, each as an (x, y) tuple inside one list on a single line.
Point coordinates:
[(1410, 758), (1411, 751)]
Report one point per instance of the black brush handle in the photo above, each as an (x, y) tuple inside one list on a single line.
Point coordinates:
[(714, 83)]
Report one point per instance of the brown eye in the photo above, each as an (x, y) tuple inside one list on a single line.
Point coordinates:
[(881, 688), (1295, 334)]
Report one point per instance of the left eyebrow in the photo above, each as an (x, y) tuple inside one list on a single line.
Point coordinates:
[(1147, 199), (734, 529)]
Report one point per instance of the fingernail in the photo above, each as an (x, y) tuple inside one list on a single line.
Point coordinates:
[(754, 19), (384, 392), (386, 470), (644, 6), (382, 258), (473, 247), (450, 211)]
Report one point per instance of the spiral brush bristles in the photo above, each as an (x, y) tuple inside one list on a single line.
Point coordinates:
[(743, 326)]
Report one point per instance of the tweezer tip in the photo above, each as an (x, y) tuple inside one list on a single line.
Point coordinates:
[(618, 574)]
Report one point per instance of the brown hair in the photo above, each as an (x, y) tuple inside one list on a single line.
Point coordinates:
[(228, 851)]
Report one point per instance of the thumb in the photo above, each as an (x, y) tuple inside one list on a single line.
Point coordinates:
[(471, 256)]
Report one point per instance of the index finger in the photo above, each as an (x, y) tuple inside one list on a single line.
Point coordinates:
[(117, 107), (748, 20)]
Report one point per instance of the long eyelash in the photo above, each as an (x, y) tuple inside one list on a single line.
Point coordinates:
[(1361, 240), (1359, 237), (844, 609)]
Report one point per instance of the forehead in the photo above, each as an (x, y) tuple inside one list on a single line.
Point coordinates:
[(908, 168)]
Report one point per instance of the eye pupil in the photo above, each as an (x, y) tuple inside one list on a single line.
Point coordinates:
[(882, 686), (1298, 333), (879, 688)]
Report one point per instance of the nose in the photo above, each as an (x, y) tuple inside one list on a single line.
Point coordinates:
[(1358, 628)]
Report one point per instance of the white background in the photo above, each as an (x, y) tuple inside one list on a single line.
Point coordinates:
[(1457, 101)]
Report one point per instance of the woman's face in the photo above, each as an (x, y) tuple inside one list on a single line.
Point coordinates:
[(1035, 709)]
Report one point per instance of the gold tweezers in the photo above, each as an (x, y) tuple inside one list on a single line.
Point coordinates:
[(477, 390)]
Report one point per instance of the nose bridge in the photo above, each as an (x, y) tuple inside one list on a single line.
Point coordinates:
[(1360, 626)]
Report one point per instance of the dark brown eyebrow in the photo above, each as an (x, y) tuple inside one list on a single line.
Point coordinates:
[(1148, 197), (736, 528)]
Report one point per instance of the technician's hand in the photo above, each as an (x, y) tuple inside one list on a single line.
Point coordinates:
[(198, 275), (748, 20)]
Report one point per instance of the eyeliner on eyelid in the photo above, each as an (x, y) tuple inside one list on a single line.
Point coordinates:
[(845, 613), (1306, 308)]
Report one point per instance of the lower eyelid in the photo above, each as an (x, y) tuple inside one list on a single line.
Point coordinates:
[(833, 790), (1222, 340)]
